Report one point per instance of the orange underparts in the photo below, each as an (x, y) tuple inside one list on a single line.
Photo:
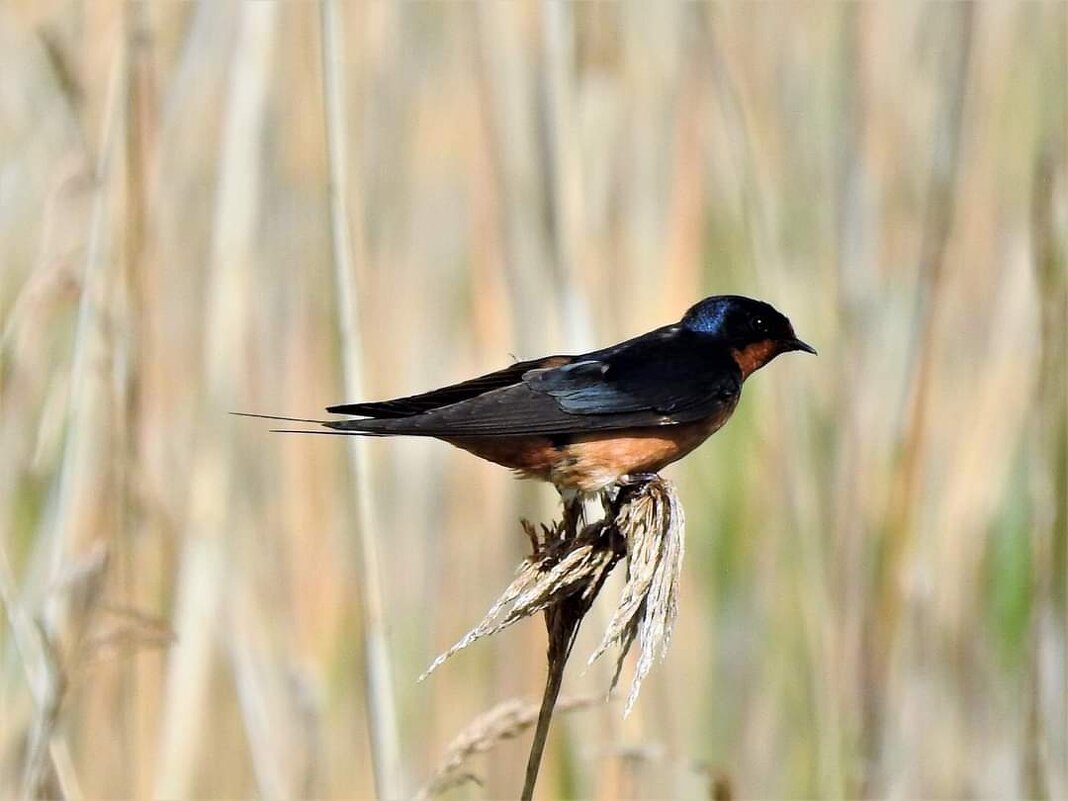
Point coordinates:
[(590, 462)]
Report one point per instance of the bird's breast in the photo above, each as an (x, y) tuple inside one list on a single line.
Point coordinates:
[(593, 461)]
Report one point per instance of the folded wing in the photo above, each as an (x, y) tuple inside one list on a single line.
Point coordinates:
[(655, 380), (445, 396)]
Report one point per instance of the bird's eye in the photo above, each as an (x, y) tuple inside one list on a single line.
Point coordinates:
[(759, 325)]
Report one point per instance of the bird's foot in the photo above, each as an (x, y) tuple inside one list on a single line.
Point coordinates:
[(631, 479), (615, 495)]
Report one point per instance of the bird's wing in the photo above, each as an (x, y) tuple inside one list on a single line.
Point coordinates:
[(668, 372), (445, 396), (651, 381)]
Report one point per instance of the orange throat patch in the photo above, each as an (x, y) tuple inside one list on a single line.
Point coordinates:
[(752, 357)]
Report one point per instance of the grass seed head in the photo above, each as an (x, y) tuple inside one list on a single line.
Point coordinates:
[(643, 521)]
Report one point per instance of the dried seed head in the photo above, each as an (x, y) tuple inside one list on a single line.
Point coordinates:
[(650, 519), (645, 521), (506, 721), (560, 567)]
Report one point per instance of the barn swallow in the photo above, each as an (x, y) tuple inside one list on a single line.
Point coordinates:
[(586, 422)]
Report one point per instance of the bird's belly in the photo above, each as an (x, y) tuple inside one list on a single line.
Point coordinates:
[(530, 456), (594, 461), (591, 462)]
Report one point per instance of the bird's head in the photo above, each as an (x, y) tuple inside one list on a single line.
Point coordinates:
[(753, 330)]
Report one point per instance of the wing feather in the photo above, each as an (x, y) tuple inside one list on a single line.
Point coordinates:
[(662, 379), (512, 411), (445, 396), (668, 372)]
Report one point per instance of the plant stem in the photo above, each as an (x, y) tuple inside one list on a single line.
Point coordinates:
[(563, 623), (381, 704)]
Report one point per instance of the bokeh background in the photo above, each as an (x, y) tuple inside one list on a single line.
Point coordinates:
[(874, 600)]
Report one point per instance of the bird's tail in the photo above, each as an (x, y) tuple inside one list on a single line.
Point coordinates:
[(351, 428)]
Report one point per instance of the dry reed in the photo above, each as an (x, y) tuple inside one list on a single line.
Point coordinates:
[(564, 574), (378, 677), (506, 721), (201, 581)]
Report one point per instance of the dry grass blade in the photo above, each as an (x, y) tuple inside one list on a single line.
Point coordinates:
[(214, 475), (124, 631), (47, 682), (652, 521), (382, 715), (559, 568), (48, 771), (506, 721)]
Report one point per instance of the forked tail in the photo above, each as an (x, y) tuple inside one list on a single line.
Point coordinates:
[(329, 424)]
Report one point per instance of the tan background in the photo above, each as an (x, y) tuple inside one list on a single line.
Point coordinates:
[(874, 600)]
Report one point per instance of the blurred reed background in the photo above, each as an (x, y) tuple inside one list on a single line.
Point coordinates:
[(875, 593)]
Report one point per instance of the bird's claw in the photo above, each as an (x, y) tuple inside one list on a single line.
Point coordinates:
[(636, 478)]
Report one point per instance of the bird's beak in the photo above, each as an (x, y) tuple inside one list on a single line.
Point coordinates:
[(797, 344)]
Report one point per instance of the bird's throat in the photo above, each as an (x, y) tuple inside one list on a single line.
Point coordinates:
[(752, 357)]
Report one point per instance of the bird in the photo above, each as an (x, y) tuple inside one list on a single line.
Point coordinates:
[(588, 422)]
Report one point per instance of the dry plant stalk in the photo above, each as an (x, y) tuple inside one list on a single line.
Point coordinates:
[(652, 522), (563, 576), (506, 721), (55, 664), (346, 249)]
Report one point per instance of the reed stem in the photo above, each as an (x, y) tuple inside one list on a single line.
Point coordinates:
[(381, 706), (553, 681)]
